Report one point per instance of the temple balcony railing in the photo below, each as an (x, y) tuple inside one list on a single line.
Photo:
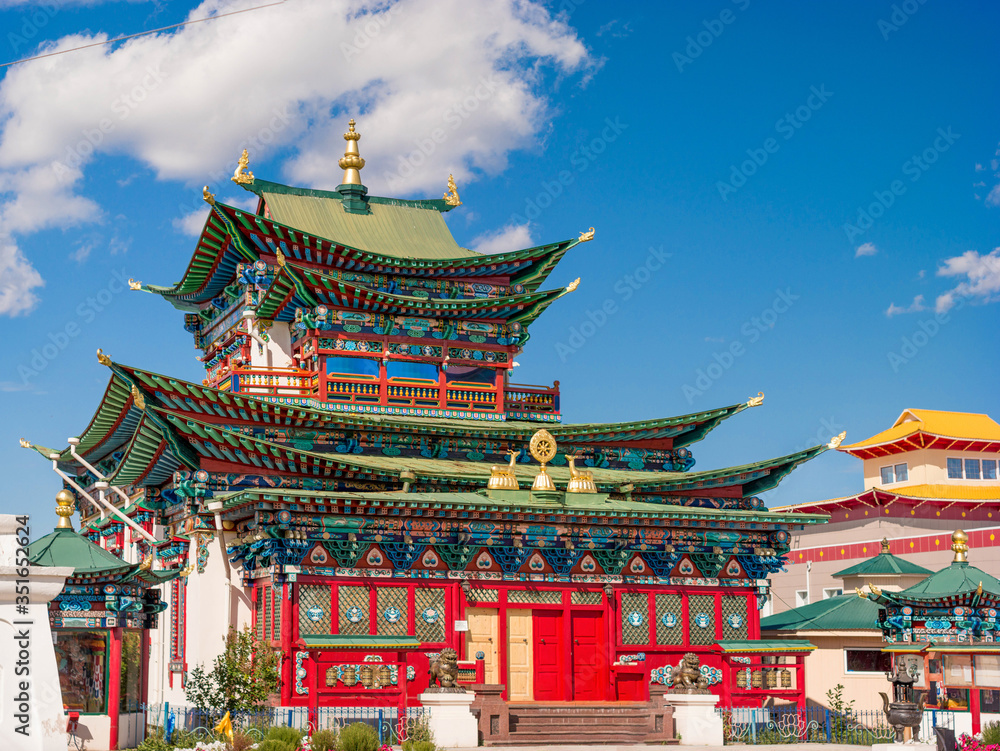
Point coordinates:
[(271, 382), (539, 400)]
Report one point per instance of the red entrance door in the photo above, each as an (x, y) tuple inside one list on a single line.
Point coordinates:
[(548, 638), (588, 657)]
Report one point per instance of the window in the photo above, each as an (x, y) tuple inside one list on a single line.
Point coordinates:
[(958, 670), (954, 469), (988, 670), (989, 700), (131, 672), (971, 469), (893, 473), (485, 376), (405, 369), (832, 592), (867, 661), (989, 469), (82, 660), (352, 366), (801, 598)]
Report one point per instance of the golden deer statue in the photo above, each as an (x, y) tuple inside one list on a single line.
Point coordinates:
[(581, 480), (503, 478)]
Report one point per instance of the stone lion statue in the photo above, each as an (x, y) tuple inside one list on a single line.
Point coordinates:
[(444, 672), (687, 677)]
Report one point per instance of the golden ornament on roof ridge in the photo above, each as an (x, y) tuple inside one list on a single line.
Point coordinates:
[(837, 440), (134, 285), (243, 175), (503, 478), (65, 501), (351, 162), (586, 236), (209, 197), (138, 398), (25, 444), (756, 401), (571, 287), (960, 546), (103, 359), (451, 197), (543, 448)]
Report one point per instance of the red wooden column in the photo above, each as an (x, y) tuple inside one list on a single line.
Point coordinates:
[(114, 684), (612, 646), (500, 407), (974, 708), (288, 670), (502, 639)]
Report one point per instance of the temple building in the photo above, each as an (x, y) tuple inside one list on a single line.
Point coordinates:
[(928, 473), (358, 478)]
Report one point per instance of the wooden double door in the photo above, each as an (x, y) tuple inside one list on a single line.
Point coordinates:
[(570, 663), (549, 655)]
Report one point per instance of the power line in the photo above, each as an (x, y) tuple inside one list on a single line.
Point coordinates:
[(141, 33)]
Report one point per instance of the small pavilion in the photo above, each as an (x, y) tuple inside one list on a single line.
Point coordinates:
[(100, 630)]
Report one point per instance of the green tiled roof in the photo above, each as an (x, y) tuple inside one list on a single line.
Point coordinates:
[(64, 547), (881, 565), (767, 645), (840, 613), (958, 579), (320, 641), (397, 228)]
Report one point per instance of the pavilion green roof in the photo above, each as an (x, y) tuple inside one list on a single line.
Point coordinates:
[(840, 613), (956, 580), (510, 501), (765, 645), (883, 564), (64, 547)]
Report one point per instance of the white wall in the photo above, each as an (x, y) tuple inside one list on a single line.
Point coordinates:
[(925, 466)]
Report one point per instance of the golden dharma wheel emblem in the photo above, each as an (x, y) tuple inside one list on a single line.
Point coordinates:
[(542, 447)]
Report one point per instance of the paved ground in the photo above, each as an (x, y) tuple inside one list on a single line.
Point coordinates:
[(645, 747)]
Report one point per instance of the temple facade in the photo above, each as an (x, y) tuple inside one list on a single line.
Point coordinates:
[(358, 478)]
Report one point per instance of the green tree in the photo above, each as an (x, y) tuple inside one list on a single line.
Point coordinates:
[(241, 678)]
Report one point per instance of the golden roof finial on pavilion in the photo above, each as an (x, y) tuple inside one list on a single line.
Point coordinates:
[(861, 594), (134, 285), (279, 257), (875, 589), (837, 440), (147, 564), (756, 401), (543, 448), (571, 287), (186, 571), (979, 590), (451, 197), (586, 236), (209, 197), (243, 175), (885, 545), (64, 508), (103, 359), (960, 546), (351, 162), (25, 444), (138, 398)]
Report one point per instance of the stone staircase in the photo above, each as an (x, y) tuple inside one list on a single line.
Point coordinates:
[(617, 723)]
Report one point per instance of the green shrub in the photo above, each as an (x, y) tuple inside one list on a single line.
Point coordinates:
[(412, 745), (991, 733), (291, 736), (273, 744), (357, 737), (155, 742), (324, 740), (182, 738), (418, 730)]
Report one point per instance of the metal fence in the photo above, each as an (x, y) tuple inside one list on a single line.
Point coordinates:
[(792, 724), (391, 723)]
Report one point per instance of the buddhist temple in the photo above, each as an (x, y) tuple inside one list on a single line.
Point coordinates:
[(359, 479)]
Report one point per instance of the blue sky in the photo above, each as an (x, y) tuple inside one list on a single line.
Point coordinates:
[(793, 198)]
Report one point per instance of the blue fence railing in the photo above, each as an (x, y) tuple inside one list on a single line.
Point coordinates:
[(791, 724), (391, 723)]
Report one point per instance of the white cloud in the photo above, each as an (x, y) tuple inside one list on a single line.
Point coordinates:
[(867, 249), (191, 224), (18, 280), (507, 238), (982, 279), (914, 307), (437, 87)]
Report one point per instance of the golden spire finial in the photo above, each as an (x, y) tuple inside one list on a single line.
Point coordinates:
[(351, 162), (543, 448), (885, 545), (756, 401), (586, 236), (960, 546), (64, 508), (103, 359), (451, 197), (837, 440), (571, 287), (243, 175), (208, 196)]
